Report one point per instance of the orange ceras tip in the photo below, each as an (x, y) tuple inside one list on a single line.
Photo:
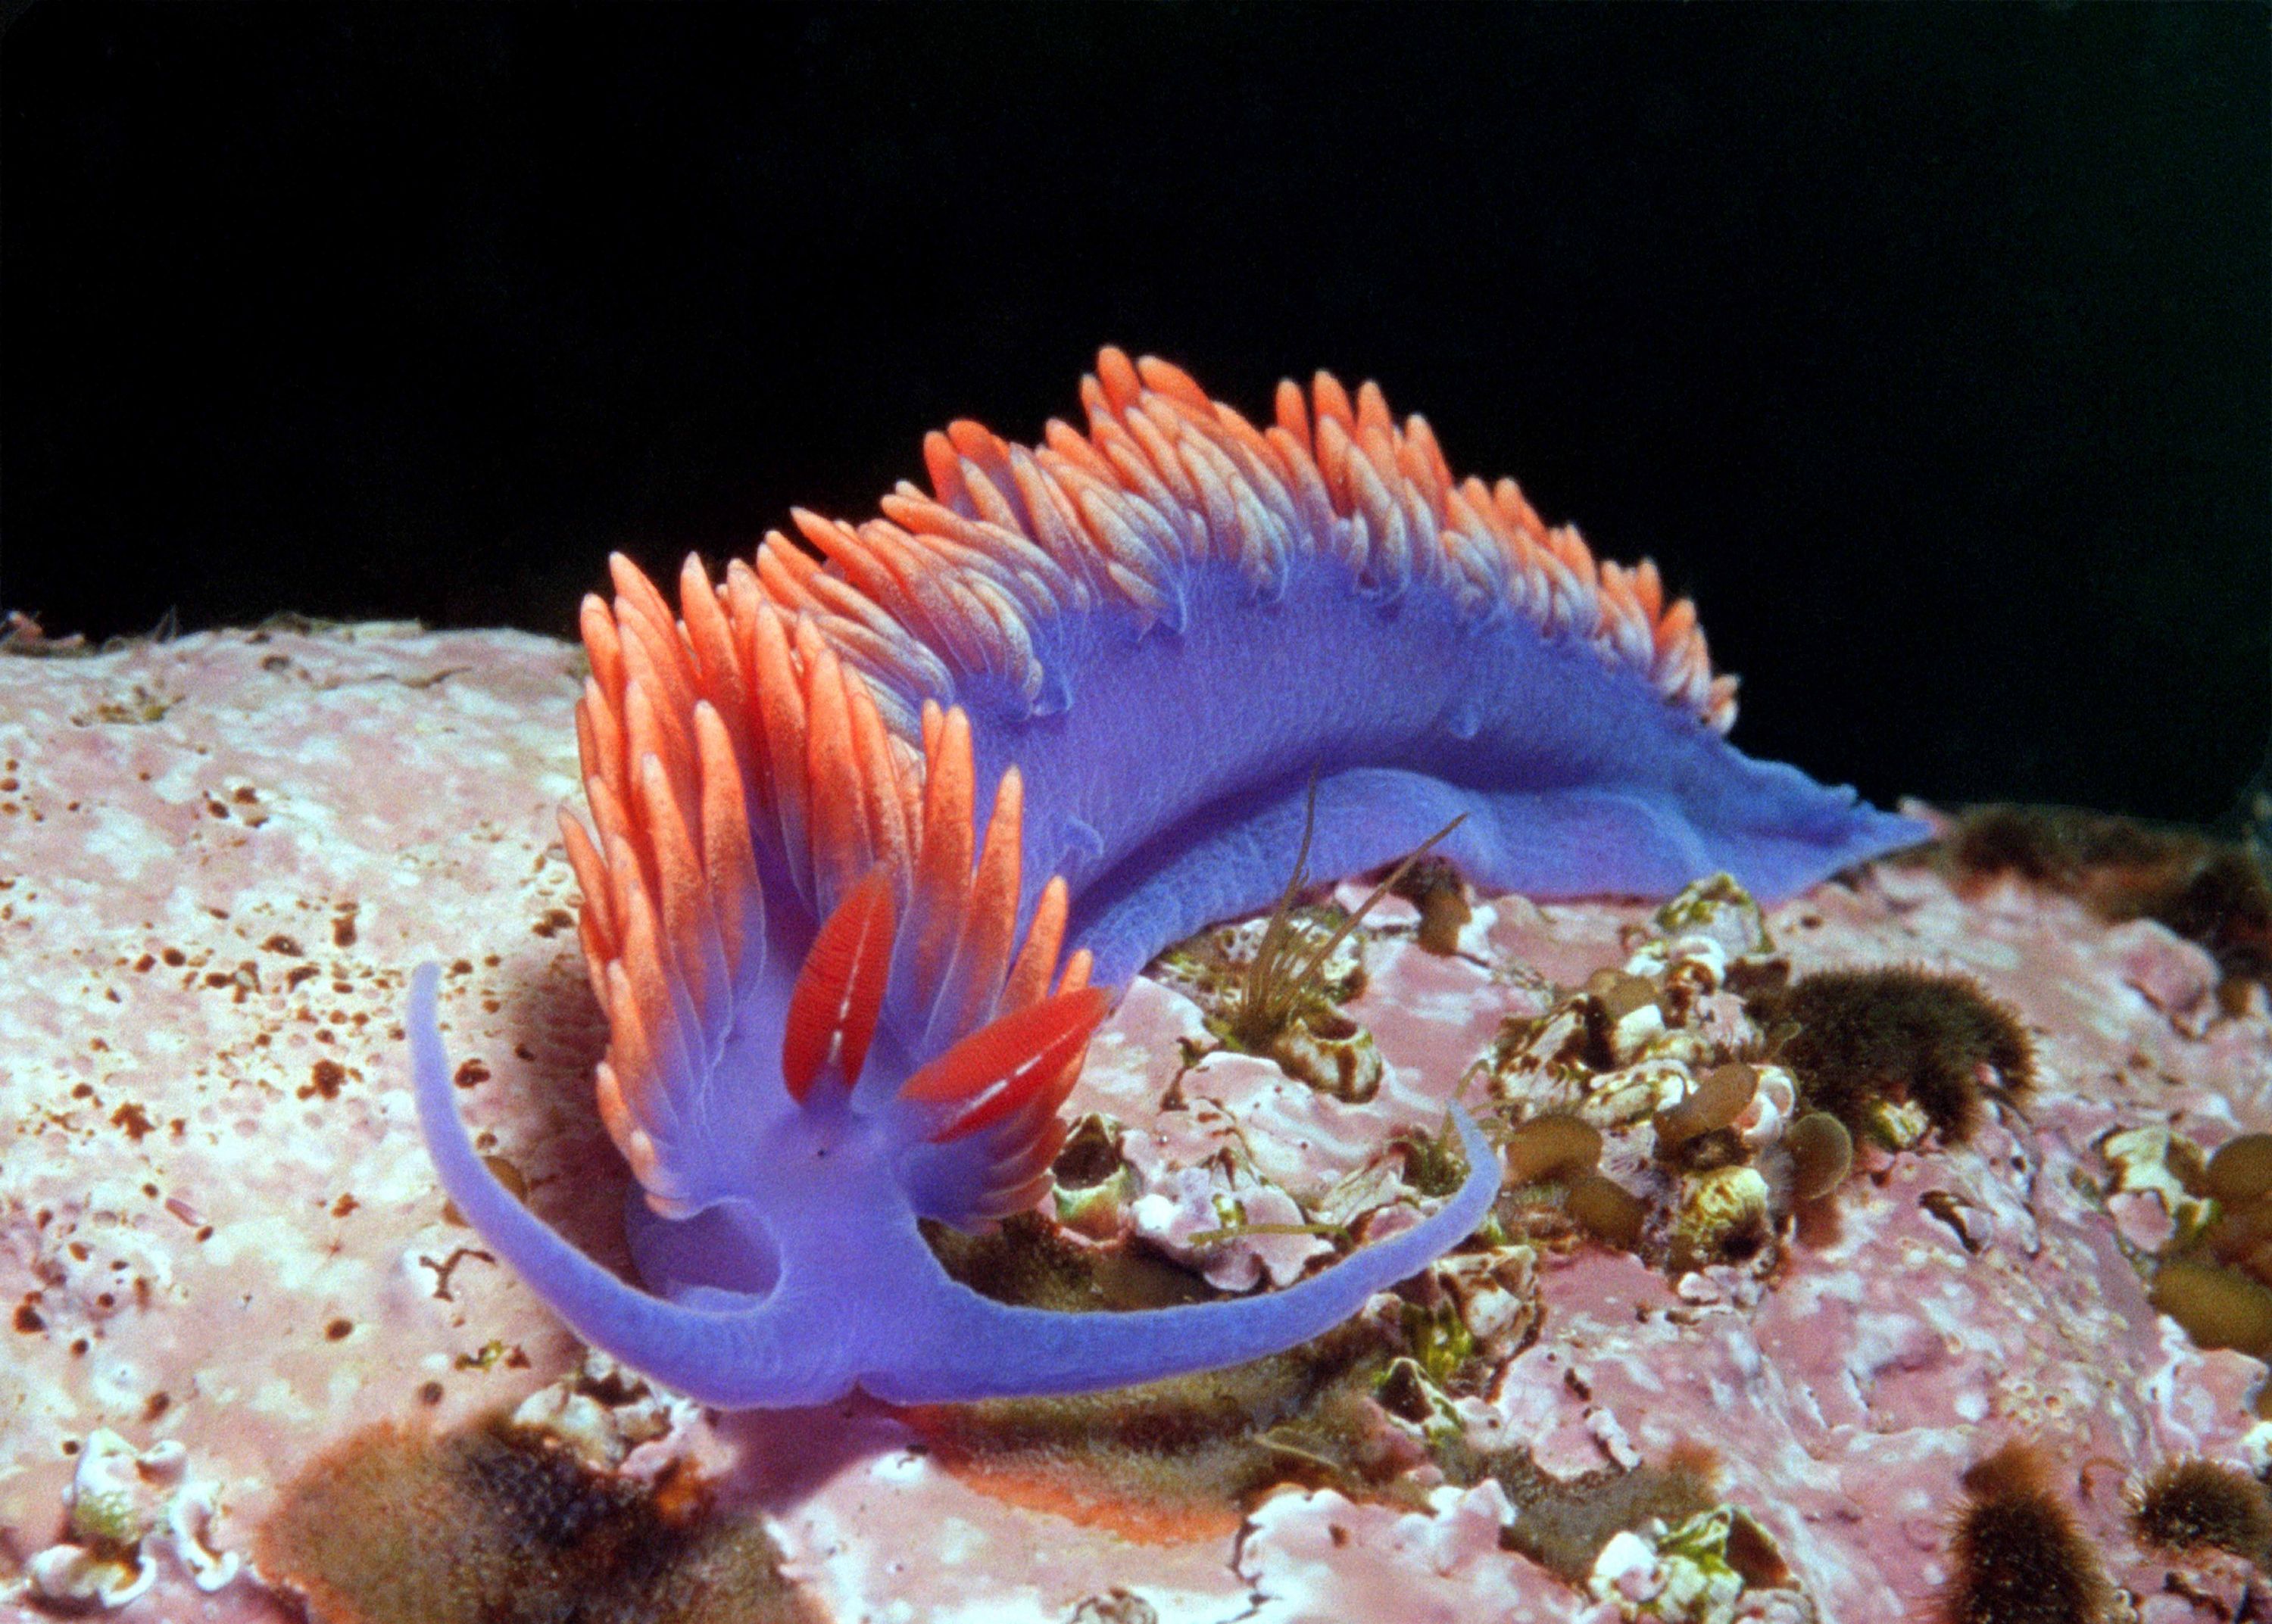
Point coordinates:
[(1001, 1067), (841, 988)]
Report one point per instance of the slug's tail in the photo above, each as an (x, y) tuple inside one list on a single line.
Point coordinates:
[(984, 1349), (732, 1358)]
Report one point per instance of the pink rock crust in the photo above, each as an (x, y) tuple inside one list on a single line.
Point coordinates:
[(222, 856)]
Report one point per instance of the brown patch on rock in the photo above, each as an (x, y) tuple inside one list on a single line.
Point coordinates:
[(1183, 1459), (493, 1526), (1860, 1038), (2207, 890)]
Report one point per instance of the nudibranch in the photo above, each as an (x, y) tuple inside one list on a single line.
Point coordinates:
[(838, 1004)]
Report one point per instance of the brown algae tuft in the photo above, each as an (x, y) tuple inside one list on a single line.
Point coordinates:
[(1355, 1410), (2016, 1554), (2188, 1504), (1029, 1261), (1562, 1524), (1184, 1458), (1864, 1043), (2206, 890), (499, 1525)]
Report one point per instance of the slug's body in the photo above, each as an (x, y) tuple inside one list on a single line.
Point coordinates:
[(836, 1006)]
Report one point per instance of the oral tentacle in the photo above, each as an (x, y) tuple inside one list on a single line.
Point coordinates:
[(746, 1356), (984, 1349)]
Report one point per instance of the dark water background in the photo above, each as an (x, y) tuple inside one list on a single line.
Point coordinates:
[(1930, 348)]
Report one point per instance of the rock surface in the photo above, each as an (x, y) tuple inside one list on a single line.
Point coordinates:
[(223, 1253)]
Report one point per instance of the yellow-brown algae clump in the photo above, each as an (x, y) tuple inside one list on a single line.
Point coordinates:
[(1606, 1209), (2242, 1236), (1434, 887), (1719, 1097), (1551, 1148), (1821, 1154), (1562, 1149), (2218, 1307), (2214, 1274), (2241, 1169)]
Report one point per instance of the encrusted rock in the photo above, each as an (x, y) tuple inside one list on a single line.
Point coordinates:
[(1685, 1574), (208, 912), (1224, 1220), (603, 1411), (127, 1509), (1496, 1295)]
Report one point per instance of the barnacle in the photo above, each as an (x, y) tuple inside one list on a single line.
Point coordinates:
[(1722, 1216)]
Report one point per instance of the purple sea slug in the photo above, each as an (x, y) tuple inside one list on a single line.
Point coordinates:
[(837, 1005)]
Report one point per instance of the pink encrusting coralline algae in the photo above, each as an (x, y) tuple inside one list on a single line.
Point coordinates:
[(1814, 1284)]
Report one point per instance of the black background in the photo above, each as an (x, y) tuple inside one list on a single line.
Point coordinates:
[(1929, 349)]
